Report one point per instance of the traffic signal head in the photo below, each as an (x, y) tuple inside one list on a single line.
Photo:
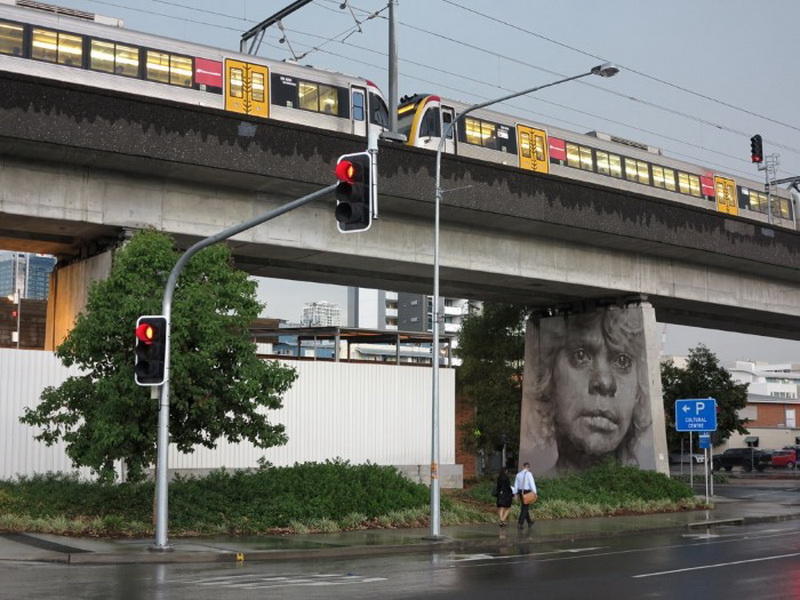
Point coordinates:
[(354, 192), (756, 149), (151, 350)]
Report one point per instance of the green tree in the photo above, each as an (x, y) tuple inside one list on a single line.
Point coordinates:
[(703, 377), (218, 386), (491, 346)]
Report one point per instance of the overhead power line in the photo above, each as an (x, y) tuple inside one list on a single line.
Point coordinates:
[(626, 68)]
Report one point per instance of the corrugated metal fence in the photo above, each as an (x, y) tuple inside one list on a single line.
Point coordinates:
[(354, 411)]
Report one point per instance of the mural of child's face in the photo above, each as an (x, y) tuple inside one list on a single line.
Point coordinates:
[(595, 390)]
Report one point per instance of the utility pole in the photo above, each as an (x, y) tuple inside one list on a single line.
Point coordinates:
[(393, 94)]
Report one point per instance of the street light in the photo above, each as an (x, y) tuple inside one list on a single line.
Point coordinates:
[(604, 70)]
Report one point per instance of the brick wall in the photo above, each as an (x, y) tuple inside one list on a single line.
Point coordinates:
[(772, 415), (465, 413)]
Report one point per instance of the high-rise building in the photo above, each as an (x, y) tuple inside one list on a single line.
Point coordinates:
[(25, 272), (321, 314)]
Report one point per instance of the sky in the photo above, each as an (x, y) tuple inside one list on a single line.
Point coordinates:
[(697, 79)]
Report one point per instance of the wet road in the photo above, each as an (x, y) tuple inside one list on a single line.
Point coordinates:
[(755, 562)]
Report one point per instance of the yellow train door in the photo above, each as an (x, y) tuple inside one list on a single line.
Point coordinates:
[(726, 195), (246, 88), (532, 149)]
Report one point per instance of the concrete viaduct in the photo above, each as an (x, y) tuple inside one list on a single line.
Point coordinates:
[(79, 167)]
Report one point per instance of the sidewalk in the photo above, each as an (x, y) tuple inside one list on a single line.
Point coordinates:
[(372, 542)]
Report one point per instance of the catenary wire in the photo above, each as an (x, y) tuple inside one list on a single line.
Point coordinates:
[(216, 25), (528, 111), (626, 68), (634, 99), (691, 158)]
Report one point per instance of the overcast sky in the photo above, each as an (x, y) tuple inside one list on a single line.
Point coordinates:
[(698, 79)]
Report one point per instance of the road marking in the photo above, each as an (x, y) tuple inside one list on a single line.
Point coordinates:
[(250, 582), (717, 565), (474, 557)]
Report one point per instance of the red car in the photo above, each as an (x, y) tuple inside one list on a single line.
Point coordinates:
[(784, 458)]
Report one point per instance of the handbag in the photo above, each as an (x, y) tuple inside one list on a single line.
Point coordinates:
[(529, 497)]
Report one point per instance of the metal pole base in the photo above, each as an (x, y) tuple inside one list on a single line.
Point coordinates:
[(157, 548)]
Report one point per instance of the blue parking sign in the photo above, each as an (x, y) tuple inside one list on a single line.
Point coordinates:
[(696, 414), (704, 441)]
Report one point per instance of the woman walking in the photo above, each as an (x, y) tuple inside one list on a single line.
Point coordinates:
[(504, 495)]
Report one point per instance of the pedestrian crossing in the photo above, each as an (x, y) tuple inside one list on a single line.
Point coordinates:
[(254, 581)]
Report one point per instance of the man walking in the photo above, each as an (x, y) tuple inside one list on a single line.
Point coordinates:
[(523, 484)]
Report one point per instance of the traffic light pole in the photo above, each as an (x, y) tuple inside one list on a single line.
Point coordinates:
[(161, 544)]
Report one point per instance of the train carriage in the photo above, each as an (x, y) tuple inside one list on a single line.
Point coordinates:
[(593, 157), (74, 46)]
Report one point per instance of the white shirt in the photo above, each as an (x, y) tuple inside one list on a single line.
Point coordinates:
[(524, 481)]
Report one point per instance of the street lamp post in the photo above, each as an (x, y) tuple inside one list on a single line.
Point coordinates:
[(604, 70)]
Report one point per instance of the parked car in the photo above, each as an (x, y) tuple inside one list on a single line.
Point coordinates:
[(784, 458), (747, 458), (676, 458)]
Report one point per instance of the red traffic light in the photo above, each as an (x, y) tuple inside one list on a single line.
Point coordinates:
[(346, 171), (145, 333)]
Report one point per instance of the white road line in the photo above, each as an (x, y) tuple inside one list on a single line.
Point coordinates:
[(717, 565), (476, 557)]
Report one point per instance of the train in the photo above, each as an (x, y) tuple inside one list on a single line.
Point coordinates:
[(594, 157), (74, 46)]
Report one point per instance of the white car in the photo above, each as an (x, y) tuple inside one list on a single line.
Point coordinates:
[(696, 458)]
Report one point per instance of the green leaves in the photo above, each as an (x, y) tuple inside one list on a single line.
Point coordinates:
[(218, 387), (703, 377), (492, 348)]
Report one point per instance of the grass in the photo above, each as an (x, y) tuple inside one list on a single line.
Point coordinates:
[(289, 500)]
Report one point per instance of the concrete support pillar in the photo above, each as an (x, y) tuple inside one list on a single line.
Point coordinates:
[(592, 390), (69, 291)]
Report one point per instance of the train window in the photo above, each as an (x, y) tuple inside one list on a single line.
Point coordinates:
[(631, 173), (447, 118), (694, 185), (489, 135), (309, 96), (658, 176), (683, 183), (236, 83), (539, 147), (785, 211), (257, 86), (573, 155), (586, 158), (318, 97), (758, 201), (157, 66), (669, 179), (52, 46), (430, 127), (644, 172), (44, 45), (180, 70), (102, 56), (473, 130), (10, 38), (328, 100), (114, 58), (284, 90), (602, 163), (359, 110), (379, 114), (525, 144)]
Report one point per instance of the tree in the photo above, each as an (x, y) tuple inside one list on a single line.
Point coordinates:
[(218, 386), (703, 377), (492, 348)]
